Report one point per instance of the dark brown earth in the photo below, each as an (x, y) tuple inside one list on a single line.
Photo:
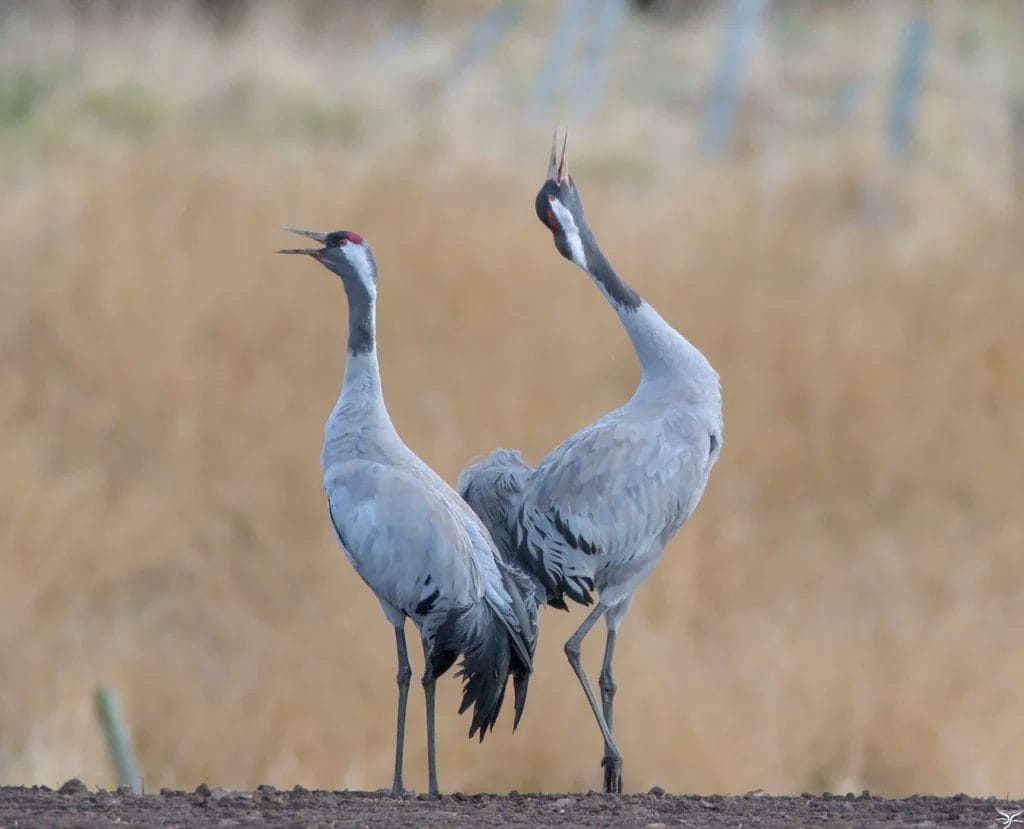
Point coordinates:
[(75, 805)]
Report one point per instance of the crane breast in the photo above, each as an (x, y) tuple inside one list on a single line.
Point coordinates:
[(404, 539)]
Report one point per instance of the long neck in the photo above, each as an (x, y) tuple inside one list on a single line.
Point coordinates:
[(362, 319), (621, 297), (665, 355), (361, 403)]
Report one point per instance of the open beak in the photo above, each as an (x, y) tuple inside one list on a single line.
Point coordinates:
[(310, 234), (558, 170)]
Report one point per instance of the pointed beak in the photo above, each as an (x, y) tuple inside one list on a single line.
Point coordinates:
[(310, 234), (558, 169), (553, 161), (308, 251)]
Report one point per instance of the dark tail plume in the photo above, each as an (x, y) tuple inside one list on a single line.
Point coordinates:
[(492, 487), (486, 661), (523, 635), (497, 642)]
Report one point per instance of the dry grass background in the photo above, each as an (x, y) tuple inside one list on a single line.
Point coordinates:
[(842, 611)]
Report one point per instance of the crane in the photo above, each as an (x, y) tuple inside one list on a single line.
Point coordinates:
[(416, 544), (596, 513)]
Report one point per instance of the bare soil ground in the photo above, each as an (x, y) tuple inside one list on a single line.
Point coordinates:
[(75, 805)]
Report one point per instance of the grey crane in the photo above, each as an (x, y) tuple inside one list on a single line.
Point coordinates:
[(419, 547), (596, 513)]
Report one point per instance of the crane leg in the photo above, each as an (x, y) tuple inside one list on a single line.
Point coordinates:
[(428, 693), (612, 765), (606, 682), (403, 677), (572, 652)]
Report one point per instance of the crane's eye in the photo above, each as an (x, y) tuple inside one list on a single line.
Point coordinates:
[(342, 242), (551, 197)]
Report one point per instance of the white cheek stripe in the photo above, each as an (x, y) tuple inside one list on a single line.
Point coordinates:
[(572, 233), (356, 254)]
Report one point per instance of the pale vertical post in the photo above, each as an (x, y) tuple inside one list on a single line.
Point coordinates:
[(119, 742), (560, 46), (599, 54), (906, 86), (1016, 91), (484, 37), (719, 119)]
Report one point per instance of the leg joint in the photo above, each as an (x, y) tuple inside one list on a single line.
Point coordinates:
[(611, 755), (607, 683), (404, 675), (572, 649)]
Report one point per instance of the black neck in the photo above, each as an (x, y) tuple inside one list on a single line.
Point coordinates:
[(604, 274), (361, 335)]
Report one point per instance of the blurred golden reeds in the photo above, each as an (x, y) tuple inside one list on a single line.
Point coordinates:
[(842, 610)]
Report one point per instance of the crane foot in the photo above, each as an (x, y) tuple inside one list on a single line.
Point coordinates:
[(612, 774)]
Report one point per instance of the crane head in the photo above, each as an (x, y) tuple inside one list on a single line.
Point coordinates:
[(344, 252), (559, 207)]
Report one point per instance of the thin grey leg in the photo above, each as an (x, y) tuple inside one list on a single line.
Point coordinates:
[(428, 693), (607, 682), (612, 764), (572, 652), (403, 677)]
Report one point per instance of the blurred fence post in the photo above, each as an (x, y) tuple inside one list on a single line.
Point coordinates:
[(599, 52), (119, 743), (1016, 69), (719, 119), (906, 88), (485, 36), (560, 46)]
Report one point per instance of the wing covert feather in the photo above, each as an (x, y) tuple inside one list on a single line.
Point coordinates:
[(609, 491)]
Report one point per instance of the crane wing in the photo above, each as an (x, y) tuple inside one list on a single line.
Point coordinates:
[(406, 540), (607, 493), (493, 487)]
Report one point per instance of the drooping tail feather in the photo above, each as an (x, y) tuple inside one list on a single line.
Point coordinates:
[(521, 684), (492, 487), (486, 660), (525, 607), (497, 642)]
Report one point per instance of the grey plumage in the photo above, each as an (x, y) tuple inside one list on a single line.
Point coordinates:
[(596, 513), (493, 487), (416, 544), (587, 516)]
